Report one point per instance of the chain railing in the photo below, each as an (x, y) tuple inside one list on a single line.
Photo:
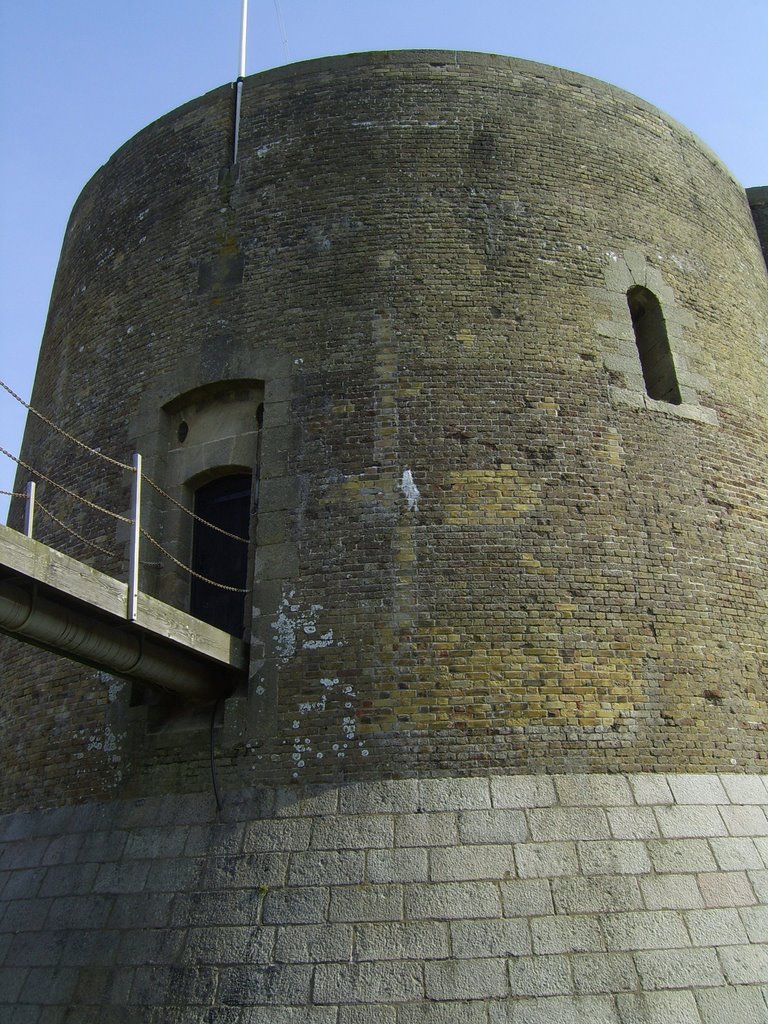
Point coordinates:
[(132, 520)]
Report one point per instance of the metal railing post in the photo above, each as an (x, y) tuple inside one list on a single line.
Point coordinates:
[(29, 511), (133, 564)]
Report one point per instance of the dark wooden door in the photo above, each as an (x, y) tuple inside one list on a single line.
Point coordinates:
[(226, 503)]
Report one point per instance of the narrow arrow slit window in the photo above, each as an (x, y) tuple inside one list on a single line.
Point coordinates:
[(653, 346)]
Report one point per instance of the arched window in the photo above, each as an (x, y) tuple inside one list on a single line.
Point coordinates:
[(224, 502), (653, 346)]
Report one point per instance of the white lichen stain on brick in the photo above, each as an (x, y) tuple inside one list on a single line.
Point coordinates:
[(291, 622), (116, 687), (108, 743), (410, 490), (106, 257), (317, 705), (326, 640), (401, 124), (300, 750), (262, 150), (302, 746)]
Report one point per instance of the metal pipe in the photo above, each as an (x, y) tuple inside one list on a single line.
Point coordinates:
[(133, 564), (29, 510), (68, 631), (238, 103)]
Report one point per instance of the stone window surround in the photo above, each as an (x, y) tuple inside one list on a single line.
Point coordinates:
[(653, 345), (275, 562), (624, 271)]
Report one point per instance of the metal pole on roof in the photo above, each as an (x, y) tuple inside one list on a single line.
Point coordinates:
[(240, 77), (243, 34)]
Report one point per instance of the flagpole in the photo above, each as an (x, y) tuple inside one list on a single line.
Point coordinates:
[(240, 77), (243, 36)]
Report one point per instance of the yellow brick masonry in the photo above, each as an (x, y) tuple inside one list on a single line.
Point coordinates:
[(480, 545)]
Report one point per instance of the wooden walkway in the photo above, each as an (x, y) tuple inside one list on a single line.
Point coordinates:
[(54, 601)]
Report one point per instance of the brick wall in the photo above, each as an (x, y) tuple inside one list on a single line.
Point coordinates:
[(480, 545)]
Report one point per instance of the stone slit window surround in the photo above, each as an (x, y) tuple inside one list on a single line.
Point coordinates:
[(652, 342), (649, 341)]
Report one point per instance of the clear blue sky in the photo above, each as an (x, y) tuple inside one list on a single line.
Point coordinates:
[(79, 77)]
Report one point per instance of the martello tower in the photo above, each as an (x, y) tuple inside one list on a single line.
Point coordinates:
[(473, 353)]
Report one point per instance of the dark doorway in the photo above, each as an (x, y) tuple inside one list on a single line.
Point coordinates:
[(226, 503)]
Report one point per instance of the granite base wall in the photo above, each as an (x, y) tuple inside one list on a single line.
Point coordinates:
[(608, 899)]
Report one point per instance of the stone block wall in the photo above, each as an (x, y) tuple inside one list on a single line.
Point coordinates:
[(581, 899)]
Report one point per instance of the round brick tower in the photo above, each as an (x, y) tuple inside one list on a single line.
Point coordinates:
[(486, 339)]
